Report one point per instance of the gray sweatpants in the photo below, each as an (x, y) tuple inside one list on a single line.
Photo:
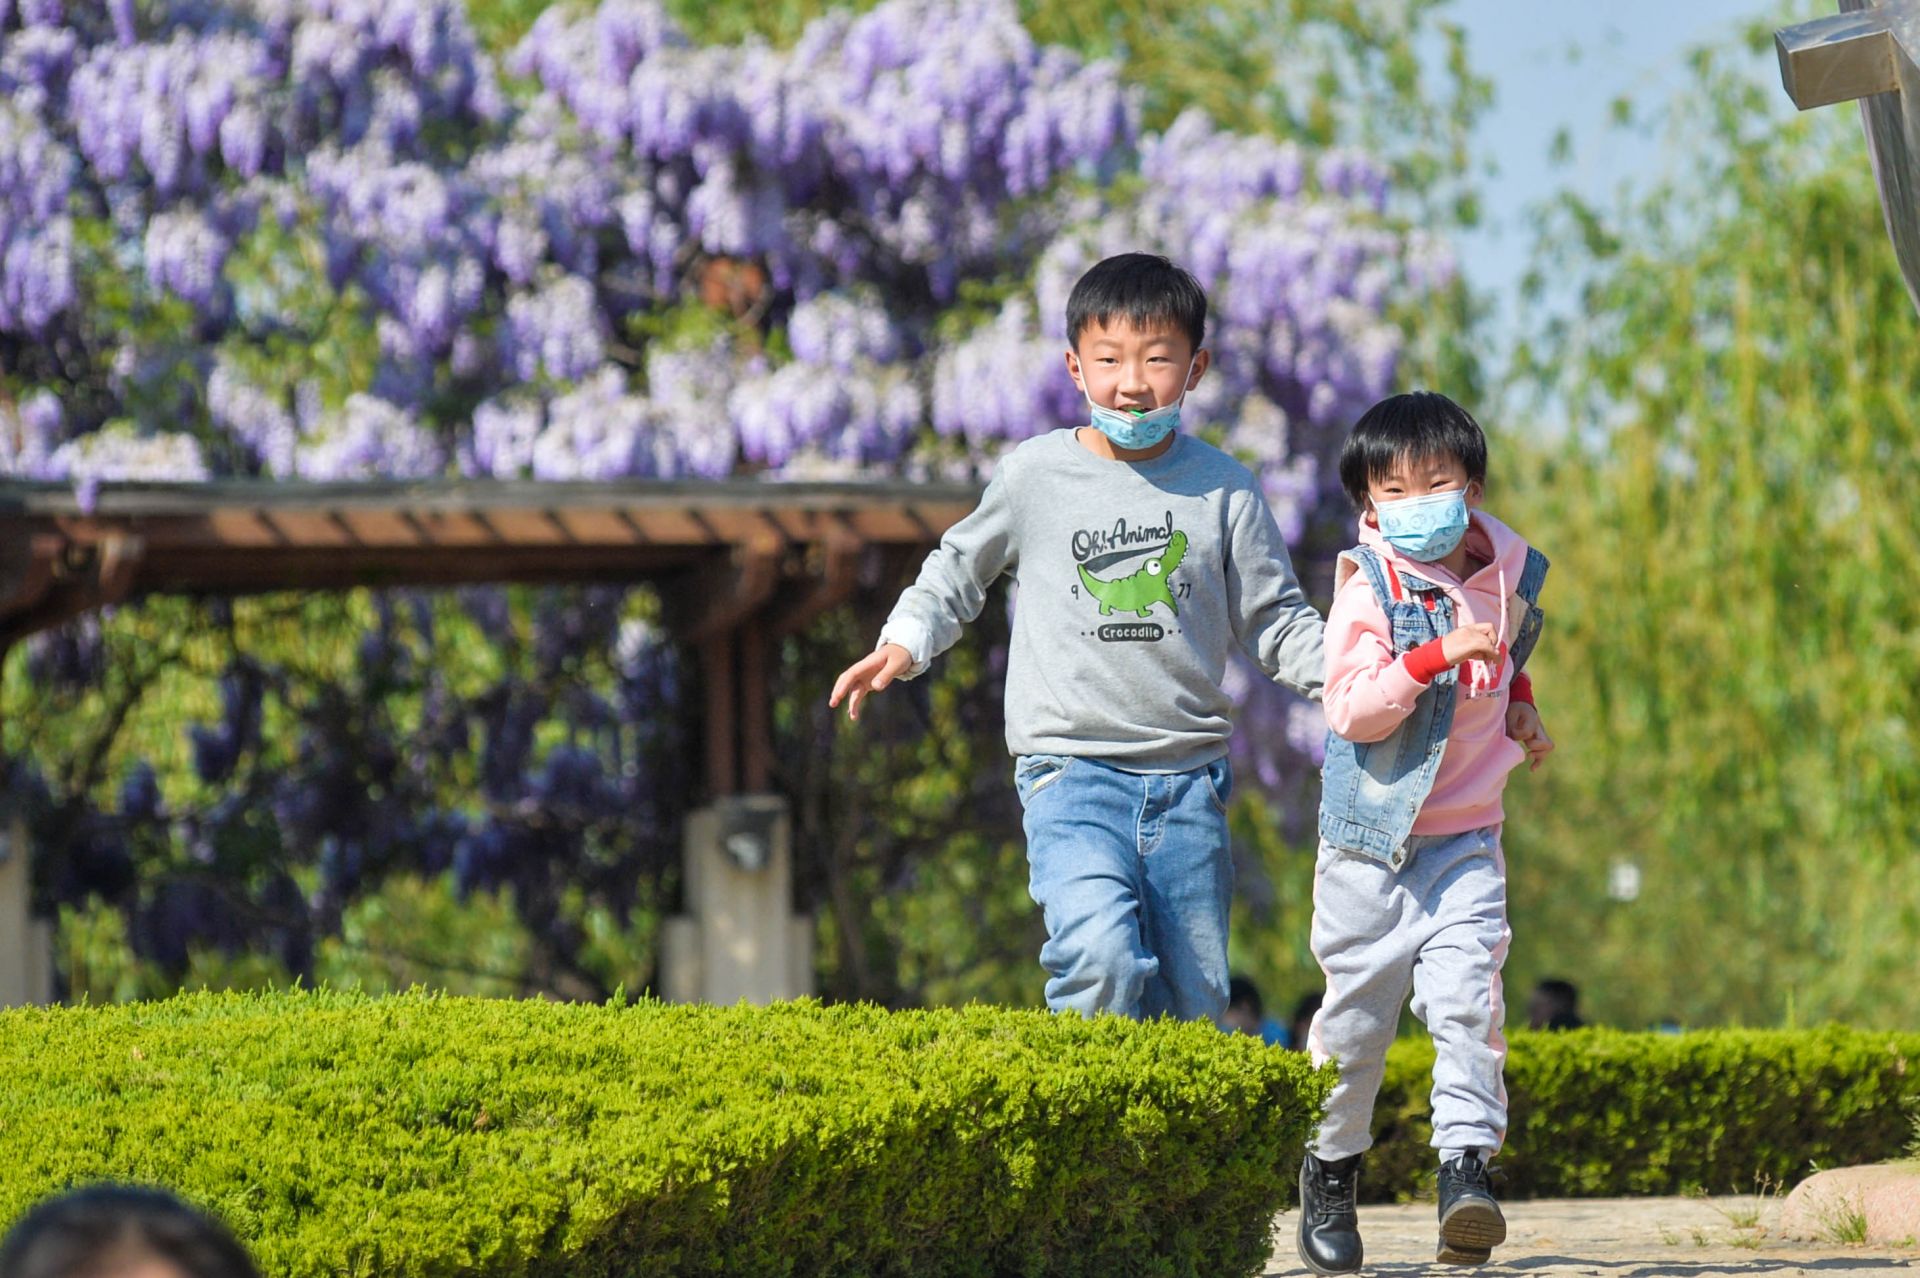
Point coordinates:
[(1438, 924)]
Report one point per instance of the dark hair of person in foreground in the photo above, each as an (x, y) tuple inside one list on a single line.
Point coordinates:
[(121, 1231)]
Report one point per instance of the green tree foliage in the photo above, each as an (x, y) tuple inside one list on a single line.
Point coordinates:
[(579, 931), (1733, 664)]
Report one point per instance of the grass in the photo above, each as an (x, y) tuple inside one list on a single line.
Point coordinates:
[(1745, 1214), (1844, 1223)]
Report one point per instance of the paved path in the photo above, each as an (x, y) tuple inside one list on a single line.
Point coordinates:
[(1614, 1238)]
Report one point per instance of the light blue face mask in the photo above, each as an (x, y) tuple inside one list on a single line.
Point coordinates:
[(1131, 430), (1424, 528)]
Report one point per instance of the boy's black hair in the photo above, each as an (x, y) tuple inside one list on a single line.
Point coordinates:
[(1242, 992), (1419, 424), (1144, 290)]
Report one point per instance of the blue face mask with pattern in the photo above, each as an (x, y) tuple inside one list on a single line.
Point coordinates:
[(1424, 528), (1137, 430)]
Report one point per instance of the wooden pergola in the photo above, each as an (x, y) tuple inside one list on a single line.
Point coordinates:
[(739, 564)]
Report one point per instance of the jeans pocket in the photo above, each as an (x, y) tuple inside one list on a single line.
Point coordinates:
[(1219, 775), (1035, 772)]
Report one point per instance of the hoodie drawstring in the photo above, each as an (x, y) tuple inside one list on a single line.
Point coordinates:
[(1483, 679)]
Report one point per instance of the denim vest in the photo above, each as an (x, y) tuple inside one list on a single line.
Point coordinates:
[(1372, 791)]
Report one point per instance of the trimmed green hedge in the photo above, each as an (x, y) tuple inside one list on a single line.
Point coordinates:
[(1598, 1113), (421, 1135)]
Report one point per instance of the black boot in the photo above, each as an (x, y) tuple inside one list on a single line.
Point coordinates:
[(1329, 1226), (1471, 1225)]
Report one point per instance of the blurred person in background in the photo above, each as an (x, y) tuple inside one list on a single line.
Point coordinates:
[(1554, 1005), (1246, 1014)]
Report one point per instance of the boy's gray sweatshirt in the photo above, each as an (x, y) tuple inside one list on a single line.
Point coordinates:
[(1136, 580)]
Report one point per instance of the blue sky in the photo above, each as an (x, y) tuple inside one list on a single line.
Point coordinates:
[(1560, 64)]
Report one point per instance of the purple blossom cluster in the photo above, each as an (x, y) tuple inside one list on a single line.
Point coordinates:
[(36, 235), (30, 432), (1005, 381), (368, 438), (598, 430), (185, 256), (605, 427), (556, 332), (400, 228), (694, 437), (170, 114), (848, 401), (172, 125), (882, 147)]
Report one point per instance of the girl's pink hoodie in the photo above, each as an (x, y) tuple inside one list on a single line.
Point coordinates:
[(1370, 690)]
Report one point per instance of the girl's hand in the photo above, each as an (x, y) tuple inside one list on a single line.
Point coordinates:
[(1475, 642), (1524, 726)]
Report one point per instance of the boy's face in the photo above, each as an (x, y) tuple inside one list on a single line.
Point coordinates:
[(1120, 366), (1420, 477)]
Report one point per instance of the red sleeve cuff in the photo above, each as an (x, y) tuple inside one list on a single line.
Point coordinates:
[(1521, 689), (1426, 661)]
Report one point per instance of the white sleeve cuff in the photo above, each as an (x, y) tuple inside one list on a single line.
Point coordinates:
[(914, 637)]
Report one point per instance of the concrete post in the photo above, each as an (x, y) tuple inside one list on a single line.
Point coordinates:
[(26, 943), (739, 937)]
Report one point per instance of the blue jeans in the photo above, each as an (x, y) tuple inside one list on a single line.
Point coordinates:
[(1133, 875)]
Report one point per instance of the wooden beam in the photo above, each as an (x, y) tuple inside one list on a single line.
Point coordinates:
[(723, 552), (56, 588), (294, 527), (722, 718), (26, 571), (704, 604), (829, 583), (452, 497), (226, 571), (755, 709)]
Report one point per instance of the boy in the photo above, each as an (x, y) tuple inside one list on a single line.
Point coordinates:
[(1433, 617), (1143, 556)]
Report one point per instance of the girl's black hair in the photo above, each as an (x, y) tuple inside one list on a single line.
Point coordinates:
[(1419, 424), (93, 1230), (1144, 290)]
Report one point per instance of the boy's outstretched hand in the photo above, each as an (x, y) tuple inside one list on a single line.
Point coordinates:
[(871, 674), (1524, 726)]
